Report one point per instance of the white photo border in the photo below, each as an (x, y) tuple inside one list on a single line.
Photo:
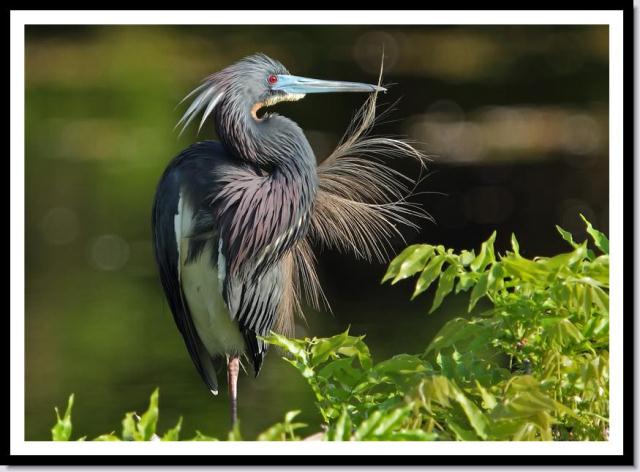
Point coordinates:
[(18, 19)]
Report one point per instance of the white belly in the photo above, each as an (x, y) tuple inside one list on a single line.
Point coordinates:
[(201, 286), (219, 334)]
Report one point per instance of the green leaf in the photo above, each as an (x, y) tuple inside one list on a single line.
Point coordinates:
[(526, 432), (174, 433), (147, 425), (396, 263), (411, 435), (526, 404), (234, 434), (341, 344), (283, 431), (567, 259), (486, 254), (341, 371), (566, 235), (461, 433), (601, 327), (601, 300), (389, 421), (129, 430), (436, 389), (61, 431), (560, 331), (524, 269), (414, 263), (360, 350), (290, 415), (342, 429), (504, 430), (401, 364), (455, 331), (444, 287), (447, 366), (476, 417), (322, 349), (514, 244), (465, 281), (295, 347), (488, 399), (467, 257), (599, 239), (496, 274), (202, 437), (367, 426), (107, 437), (525, 399), (479, 290), (429, 274)]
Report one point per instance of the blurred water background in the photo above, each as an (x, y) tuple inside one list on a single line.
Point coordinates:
[(516, 119)]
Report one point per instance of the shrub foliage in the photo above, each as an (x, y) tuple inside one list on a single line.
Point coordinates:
[(530, 361)]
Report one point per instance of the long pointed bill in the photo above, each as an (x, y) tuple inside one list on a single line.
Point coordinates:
[(301, 85)]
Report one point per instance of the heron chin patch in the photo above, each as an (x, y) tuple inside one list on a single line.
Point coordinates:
[(288, 97)]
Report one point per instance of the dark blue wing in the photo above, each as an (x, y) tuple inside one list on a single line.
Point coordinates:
[(166, 252)]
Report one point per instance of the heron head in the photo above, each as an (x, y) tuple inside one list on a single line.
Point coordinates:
[(256, 82)]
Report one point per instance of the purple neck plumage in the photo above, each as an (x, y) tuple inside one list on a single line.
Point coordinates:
[(282, 191)]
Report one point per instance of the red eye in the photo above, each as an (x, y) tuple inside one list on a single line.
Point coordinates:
[(272, 79)]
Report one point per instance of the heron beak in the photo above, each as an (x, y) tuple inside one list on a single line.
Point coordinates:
[(293, 84)]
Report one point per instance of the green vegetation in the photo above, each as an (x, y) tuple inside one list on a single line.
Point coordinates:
[(143, 428), (531, 365)]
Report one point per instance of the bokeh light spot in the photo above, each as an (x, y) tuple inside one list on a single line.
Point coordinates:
[(60, 226), (109, 252), (368, 51), (569, 212)]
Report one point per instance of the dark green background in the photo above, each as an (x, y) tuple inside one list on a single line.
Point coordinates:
[(516, 119)]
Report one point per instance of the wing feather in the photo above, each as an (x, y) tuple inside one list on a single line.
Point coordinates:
[(165, 209)]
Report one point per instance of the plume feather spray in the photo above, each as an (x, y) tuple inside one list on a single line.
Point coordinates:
[(360, 204)]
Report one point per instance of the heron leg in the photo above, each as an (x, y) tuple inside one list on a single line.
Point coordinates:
[(233, 366)]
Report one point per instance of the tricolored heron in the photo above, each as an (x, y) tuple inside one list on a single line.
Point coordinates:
[(234, 221)]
